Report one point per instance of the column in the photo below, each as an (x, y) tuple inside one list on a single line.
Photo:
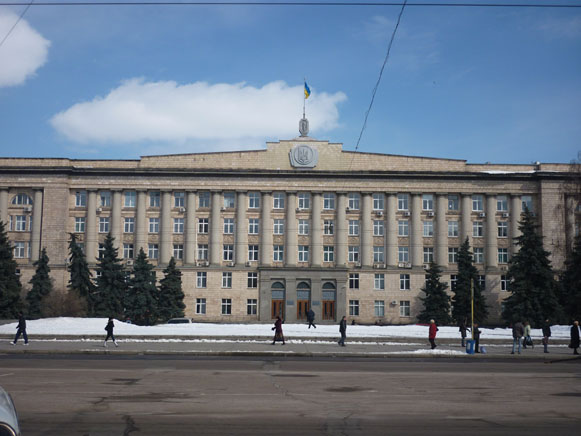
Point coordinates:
[(515, 212), (165, 246), (366, 231), (241, 229), (91, 231), (36, 226), (190, 237), (466, 224), (316, 232), (116, 219), (4, 206), (291, 230), (391, 231), (490, 236), (441, 257), (417, 245), (341, 230), (215, 248), (140, 224), (266, 229)]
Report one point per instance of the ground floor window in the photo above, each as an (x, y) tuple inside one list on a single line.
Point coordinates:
[(379, 308), (226, 306), (404, 308), (200, 306), (354, 307), (251, 306)]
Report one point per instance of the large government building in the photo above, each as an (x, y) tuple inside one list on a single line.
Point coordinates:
[(299, 224)]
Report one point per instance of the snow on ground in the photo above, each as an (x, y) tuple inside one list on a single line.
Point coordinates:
[(95, 326)]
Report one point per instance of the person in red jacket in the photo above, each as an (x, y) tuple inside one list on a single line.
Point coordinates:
[(432, 333)]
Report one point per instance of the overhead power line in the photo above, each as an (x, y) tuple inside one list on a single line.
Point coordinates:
[(16, 23)]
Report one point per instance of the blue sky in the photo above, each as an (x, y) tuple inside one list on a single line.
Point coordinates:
[(117, 82)]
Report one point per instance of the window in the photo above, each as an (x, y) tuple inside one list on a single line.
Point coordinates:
[(452, 254), (252, 280), (303, 227), (201, 279), (353, 227), (482, 282), (503, 229), (453, 202), (353, 201), (251, 306), (22, 199), (404, 282), (154, 199), (226, 306), (353, 307), (104, 224), (353, 253), (403, 228), (101, 250), (328, 226), (278, 227), (503, 283), (81, 246), (79, 224), (453, 230), (226, 279), (278, 200), (153, 225), (228, 226), (304, 200), (453, 282), (20, 251), (428, 254), (402, 201), (403, 254), (428, 229), (328, 253), (378, 228), (21, 223), (253, 200), (503, 255), (478, 255), (502, 203), (228, 252), (203, 225), (203, 200), (179, 199), (253, 253), (303, 253), (153, 251), (278, 253), (527, 203), (379, 282), (81, 199), (178, 225), (328, 201), (478, 229), (404, 308), (229, 200), (378, 254), (129, 199), (200, 306), (378, 201), (127, 251), (477, 203), (202, 251), (354, 281), (427, 202), (105, 198), (178, 251), (379, 307), (128, 225)]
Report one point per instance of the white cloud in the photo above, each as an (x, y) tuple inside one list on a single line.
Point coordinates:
[(23, 52), (225, 116)]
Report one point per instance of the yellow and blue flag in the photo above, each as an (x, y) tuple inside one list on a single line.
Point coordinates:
[(307, 91)]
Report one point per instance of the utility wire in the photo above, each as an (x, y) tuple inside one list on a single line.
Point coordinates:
[(15, 24)]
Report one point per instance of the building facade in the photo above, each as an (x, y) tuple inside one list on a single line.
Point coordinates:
[(300, 224)]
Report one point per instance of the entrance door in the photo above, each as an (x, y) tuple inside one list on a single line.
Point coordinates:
[(329, 299), (302, 309), (277, 309), (328, 310)]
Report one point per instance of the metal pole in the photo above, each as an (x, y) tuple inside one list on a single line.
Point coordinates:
[(472, 305)]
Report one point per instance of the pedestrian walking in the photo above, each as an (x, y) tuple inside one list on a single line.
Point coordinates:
[(462, 328), (575, 337), (476, 333), (517, 334), (278, 336), (311, 318), (546, 334), (343, 331), (109, 329), (432, 333), (527, 336), (21, 329)]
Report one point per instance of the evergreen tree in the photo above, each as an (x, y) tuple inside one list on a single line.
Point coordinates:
[(80, 282), (571, 284), (141, 296), (171, 297), (10, 286), (532, 285), (437, 301), (41, 286), (111, 283), (467, 277)]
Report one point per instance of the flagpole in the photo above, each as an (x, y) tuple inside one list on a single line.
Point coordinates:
[(304, 96)]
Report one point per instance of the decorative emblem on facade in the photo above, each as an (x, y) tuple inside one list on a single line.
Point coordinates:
[(303, 156)]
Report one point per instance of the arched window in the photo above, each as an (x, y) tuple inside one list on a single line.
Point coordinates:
[(329, 286), (22, 199), (277, 285), (303, 286)]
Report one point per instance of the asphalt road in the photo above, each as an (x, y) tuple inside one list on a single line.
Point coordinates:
[(184, 395)]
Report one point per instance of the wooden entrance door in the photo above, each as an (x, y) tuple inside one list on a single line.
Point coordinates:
[(328, 310), (302, 309), (277, 309)]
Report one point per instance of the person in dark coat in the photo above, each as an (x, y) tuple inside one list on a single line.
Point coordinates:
[(476, 332), (575, 337), (432, 333), (278, 336), (343, 331), (546, 334), (21, 329), (462, 329), (517, 333), (311, 318), (109, 329)]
